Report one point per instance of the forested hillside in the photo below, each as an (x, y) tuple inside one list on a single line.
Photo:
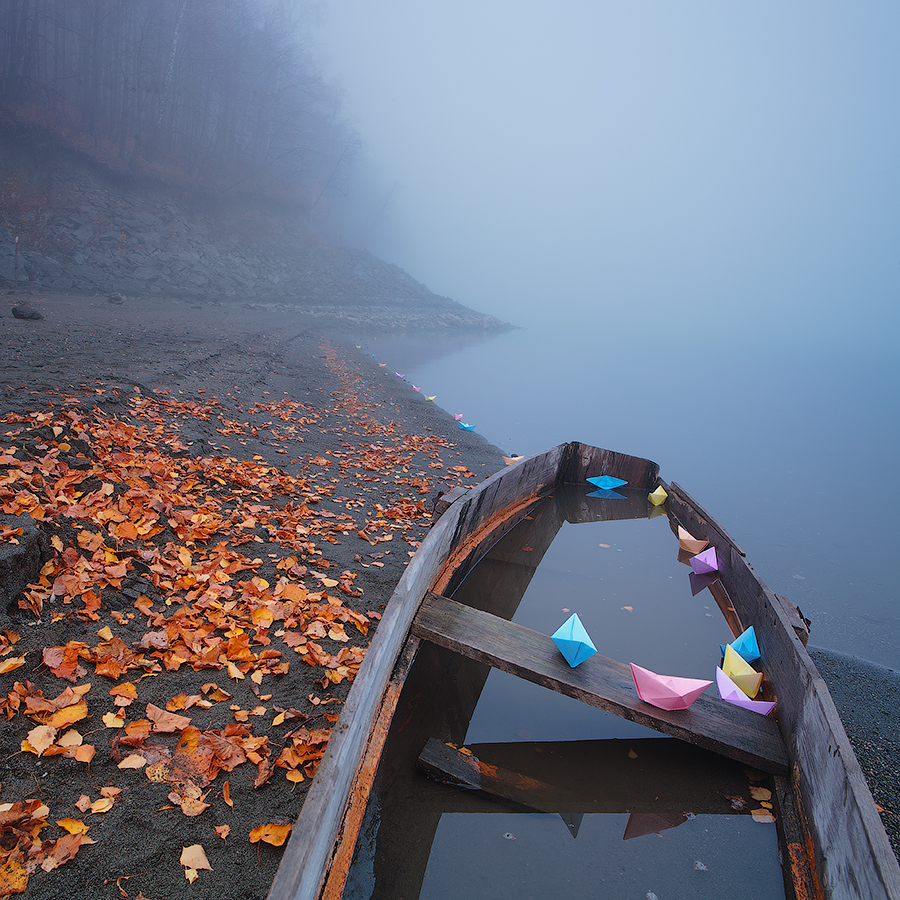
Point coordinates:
[(215, 96)]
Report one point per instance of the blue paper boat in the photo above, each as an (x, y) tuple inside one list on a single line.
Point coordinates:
[(466, 427), (606, 482), (573, 641), (607, 495), (745, 646)]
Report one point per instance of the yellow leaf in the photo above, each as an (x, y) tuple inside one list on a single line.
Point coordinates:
[(56, 543), (222, 831), (762, 815), (105, 633), (329, 582), (14, 662), (73, 826), (191, 875), (70, 739), (194, 857), (104, 804), (39, 739), (278, 719), (294, 775), (111, 720), (133, 761)]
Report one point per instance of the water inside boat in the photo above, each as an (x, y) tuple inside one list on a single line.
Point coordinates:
[(580, 802)]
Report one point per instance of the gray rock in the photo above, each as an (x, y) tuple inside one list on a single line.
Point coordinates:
[(21, 311)]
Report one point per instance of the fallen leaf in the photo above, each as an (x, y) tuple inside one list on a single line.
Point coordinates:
[(194, 857), (222, 831), (133, 761), (275, 835)]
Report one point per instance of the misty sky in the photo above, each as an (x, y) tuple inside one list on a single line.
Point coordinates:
[(735, 162)]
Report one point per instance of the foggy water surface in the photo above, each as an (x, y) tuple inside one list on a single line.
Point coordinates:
[(790, 446)]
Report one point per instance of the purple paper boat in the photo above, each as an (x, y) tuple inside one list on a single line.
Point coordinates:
[(667, 691), (705, 562), (731, 693)]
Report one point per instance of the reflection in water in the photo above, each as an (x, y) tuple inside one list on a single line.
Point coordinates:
[(648, 815)]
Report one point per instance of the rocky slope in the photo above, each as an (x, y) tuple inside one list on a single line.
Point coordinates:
[(81, 232)]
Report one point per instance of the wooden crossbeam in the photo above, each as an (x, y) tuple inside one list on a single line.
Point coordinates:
[(599, 681)]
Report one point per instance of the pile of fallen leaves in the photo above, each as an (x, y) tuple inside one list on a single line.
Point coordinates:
[(202, 581)]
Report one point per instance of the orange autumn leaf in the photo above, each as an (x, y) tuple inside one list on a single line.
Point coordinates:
[(68, 715), (222, 831), (133, 761), (166, 722), (73, 826), (272, 834), (226, 794), (84, 753)]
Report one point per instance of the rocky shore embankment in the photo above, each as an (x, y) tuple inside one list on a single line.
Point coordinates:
[(81, 232)]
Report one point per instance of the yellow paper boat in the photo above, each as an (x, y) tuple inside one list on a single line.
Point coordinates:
[(509, 460), (688, 542), (741, 673), (658, 497)]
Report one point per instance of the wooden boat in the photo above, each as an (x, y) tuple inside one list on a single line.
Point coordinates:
[(833, 843)]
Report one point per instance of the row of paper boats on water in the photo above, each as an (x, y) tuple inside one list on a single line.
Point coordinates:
[(736, 680)]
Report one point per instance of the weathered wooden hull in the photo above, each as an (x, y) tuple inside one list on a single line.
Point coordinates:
[(832, 834)]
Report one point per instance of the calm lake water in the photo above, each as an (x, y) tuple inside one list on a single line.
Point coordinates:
[(791, 446)]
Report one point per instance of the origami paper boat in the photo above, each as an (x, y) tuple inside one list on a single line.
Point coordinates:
[(382, 365), (658, 497), (731, 693), (399, 375), (458, 416), (745, 645), (416, 389), (705, 562), (667, 691), (509, 460), (688, 542), (573, 641), (432, 398), (742, 674), (466, 427), (606, 482)]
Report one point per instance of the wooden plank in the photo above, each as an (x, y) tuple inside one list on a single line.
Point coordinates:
[(365, 776), (599, 681), (853, 856), (801, 881), (664, 777)]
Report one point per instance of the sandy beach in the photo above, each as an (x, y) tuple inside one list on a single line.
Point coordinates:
[(227, 498)]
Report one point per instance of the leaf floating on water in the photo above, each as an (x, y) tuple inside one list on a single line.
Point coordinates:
[(762, 815), (736, 802), (632, 754), (628, 608), (760, 793), (699, 866)]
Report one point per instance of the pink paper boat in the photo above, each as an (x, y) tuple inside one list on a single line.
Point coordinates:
[(705, 562), (458, 416), (666, 691), (731, 693)]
